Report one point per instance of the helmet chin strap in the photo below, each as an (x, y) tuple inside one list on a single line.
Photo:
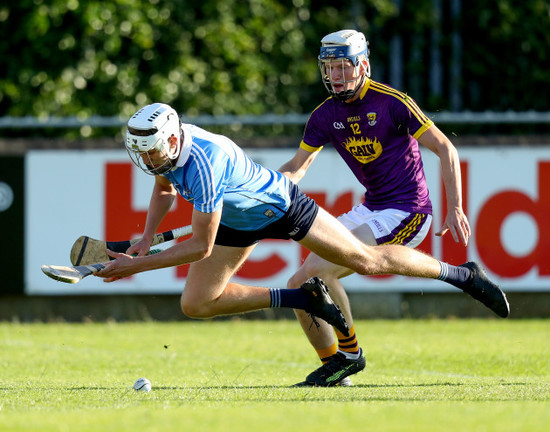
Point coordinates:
[(346, 95), (171, 160), (168, 165), (163, 169)]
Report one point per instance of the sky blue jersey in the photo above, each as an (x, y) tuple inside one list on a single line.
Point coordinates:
[(217, 174)]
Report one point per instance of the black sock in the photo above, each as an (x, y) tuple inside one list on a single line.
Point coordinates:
[(455, 275), (290, 298)]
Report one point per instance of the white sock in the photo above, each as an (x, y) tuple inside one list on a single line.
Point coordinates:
[(351, 356)]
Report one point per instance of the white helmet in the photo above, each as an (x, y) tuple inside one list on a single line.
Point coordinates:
[(154, 127), (344, 45)]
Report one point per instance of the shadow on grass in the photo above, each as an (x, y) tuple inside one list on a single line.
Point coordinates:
[(417, 392), (288, 387), (266, 387)]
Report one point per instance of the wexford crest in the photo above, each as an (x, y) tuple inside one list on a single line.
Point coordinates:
[(371, 117)]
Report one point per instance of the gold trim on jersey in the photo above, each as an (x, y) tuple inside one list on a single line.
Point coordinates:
[(365, 88), (309, 148), (423, 129), (424, 120)]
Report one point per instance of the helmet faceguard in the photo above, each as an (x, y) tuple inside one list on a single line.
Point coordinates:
[(154, 128), (344, 59)]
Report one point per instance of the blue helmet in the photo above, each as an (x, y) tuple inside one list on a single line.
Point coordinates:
[(342, 46)]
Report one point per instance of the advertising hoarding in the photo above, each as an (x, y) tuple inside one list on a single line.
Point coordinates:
[(102, 195)]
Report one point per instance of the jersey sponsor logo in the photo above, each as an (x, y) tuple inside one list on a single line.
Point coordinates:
[(354, 119), (371, 117), (338, 125), (364, 150), (269, 213)]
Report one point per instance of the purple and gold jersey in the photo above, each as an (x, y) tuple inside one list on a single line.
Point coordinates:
[(376, 135)]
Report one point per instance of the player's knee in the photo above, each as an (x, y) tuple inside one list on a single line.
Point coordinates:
[(195, 310), (295, 281), (320, 269), (370, 268), (308, 270), (298, 278)]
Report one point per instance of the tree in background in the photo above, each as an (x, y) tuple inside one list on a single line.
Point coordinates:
[(90, 57)]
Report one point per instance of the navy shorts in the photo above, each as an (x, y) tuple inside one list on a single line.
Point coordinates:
[(294, 225)]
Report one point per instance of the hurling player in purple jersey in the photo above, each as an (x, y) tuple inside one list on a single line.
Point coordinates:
[(376, 130)]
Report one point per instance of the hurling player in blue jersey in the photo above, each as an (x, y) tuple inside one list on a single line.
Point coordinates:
[(376, 130), (236, 203)]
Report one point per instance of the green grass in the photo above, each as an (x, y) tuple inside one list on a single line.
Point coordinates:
[(429, 375)]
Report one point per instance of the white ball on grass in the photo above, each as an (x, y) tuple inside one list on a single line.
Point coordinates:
[(142, 384)]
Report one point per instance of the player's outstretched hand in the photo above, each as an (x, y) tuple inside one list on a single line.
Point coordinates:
[(457, 223), (121, 267)]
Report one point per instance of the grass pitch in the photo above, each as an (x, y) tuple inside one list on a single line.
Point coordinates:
[(426, 375)]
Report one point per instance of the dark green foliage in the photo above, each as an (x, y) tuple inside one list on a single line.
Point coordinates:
[(91, 57)]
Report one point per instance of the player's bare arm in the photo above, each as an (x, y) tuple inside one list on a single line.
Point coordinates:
[(162, 198), (455, 221), (296, 168), (197, 247)]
